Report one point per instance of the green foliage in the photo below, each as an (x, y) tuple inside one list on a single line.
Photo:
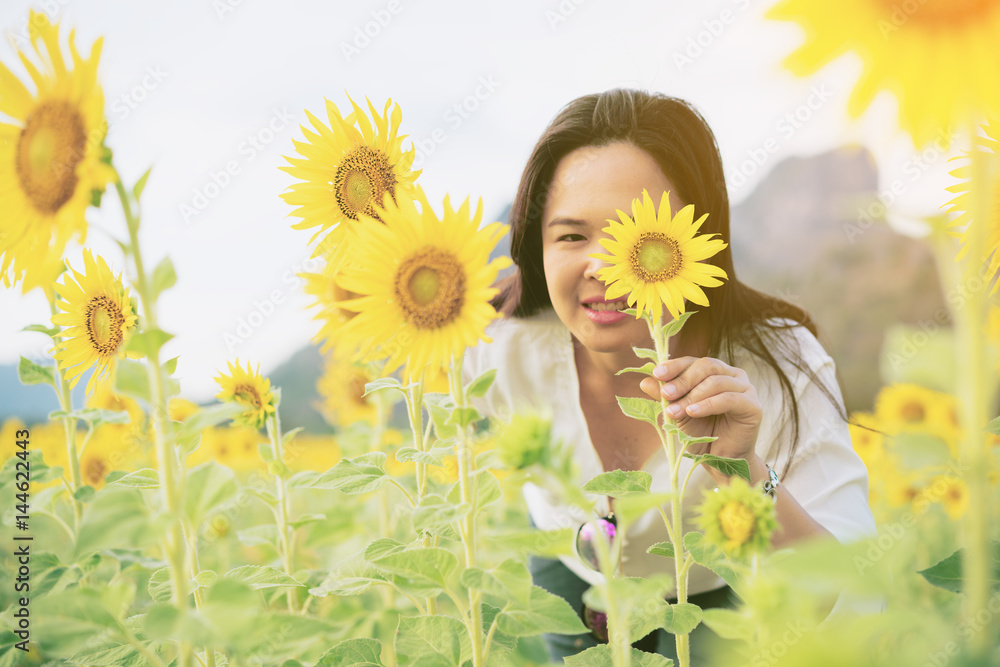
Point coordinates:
[(600, 656), (362, 652), (620, 483), (642, 409), (442, 638), (645, 369), (947, 573), (479, 386), (31, 373), (164, 276), (544, 612), (724, 465)]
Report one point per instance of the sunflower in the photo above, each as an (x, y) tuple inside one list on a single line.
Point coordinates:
[(425, 283), (50, 156), (656, 258), (342, 387), (738, 517), (98, 322), (866, 437), (937, 56), (346, 172), (951, 492), (961, 207), (247, 387), (909, 408)]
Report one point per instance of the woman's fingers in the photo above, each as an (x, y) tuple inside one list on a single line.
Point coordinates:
[(699, 401), (682, 375)]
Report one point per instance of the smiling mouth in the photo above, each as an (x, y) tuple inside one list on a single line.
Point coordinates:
[(607, 305)]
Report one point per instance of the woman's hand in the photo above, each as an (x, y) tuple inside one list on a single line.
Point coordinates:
[(710, 398)]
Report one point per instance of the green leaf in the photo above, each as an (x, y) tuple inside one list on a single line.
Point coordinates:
[(384, 383), (619, 483), (207, 417), (478, 387), (117, 518), (164, 276), (544, 543), (31, 373), (306, 519), (421, 636), (363, 652), (708, 555), (148, 342), (41, 328), (642, 409), (645, 369), (544, 613), (132, 380), (994, 426), (433, 456), (360, 474), (382, 547), (140, 185), (208, 486), (632, 507), (729, 624), (681, 619), (160, 586), (947, 573), (435, 515), (423, 567), (85, 493), (665, 549), (170, 365), (645, 353), (262, 576), (673, 328), (287, 437), (351, 576), (600, 656), (109, 653), (485, 490), (94, 417), (724, 465), (439, 406), (509, 581), (462, 417)]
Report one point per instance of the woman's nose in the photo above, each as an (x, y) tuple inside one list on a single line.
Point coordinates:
[(594, 265)]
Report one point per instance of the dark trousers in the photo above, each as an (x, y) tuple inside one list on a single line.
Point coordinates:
[(558, 579)]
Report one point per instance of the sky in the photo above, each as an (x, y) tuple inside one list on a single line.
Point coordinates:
[(210, 93)]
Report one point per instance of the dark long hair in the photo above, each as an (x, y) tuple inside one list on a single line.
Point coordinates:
[(678, 138)]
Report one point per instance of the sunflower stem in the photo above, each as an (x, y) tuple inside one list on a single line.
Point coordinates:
[(677, 529), (274, 430), (69, 427), (172, 475), (618, 639), (974, 390), (469, 534)]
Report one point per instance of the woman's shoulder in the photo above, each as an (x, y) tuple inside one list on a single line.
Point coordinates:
[(797, 351)]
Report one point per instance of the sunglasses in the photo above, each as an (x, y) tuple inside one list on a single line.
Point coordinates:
[(588, 534)]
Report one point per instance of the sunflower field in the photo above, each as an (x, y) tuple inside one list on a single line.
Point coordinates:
[(143, 529)]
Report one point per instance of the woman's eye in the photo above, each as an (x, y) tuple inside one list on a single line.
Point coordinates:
[(571, 237)]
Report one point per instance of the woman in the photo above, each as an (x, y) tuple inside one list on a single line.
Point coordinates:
[(747, 369)]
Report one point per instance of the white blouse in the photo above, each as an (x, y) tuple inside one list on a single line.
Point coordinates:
[(536, 370)]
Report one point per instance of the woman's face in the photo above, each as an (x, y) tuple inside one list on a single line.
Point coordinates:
[(588, 186)]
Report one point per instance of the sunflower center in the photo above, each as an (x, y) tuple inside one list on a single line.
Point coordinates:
[(912, 412), (361, 180), (737, 522), (94, 471), (247, 394), (104, 325), (935, 13), (357, 390), (655, 257), (50, 147), (430, 288)]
